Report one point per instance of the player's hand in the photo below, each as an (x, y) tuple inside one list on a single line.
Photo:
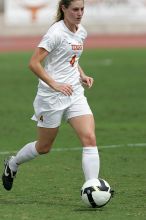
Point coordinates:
[(87, 81), (66, 89)]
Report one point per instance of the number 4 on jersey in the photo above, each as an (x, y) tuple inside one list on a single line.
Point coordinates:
[(73, 60)]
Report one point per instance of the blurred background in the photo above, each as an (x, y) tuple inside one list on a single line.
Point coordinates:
[(32, 17)]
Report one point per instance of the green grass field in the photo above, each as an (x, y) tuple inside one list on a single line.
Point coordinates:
[(49, 187)]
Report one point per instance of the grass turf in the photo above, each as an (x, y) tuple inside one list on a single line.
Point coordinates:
[(49, 187)]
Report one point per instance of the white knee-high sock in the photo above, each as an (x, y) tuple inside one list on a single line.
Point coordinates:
[(90, 162), (28, 152)]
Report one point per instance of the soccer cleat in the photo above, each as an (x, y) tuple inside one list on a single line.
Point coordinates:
[(8, 175)]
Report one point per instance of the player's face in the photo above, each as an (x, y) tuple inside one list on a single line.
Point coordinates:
[(74, 12)]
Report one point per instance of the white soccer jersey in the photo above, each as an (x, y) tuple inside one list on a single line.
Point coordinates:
[(65, 49)]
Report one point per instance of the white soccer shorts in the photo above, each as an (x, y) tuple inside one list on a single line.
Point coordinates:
[(49, 110)]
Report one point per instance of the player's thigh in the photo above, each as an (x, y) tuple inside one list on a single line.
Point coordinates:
[(84, 126), (46, 137), (47, 134)]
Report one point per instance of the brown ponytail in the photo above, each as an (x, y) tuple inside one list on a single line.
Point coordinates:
[(60, 14)]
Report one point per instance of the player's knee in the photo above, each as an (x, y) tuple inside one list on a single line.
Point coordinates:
[(44, 148), (89, 139)]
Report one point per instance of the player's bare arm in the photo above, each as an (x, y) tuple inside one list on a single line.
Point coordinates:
[(86, 80), (37, 68)]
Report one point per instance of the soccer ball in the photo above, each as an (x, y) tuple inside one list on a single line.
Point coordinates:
[(96, 193)]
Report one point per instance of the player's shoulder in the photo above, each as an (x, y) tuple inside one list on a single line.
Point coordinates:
[(55, 28), (82, 31), (82, 28)]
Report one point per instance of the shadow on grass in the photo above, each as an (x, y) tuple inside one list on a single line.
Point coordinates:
[(88, 210)]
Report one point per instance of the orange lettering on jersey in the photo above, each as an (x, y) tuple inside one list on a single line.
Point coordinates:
[(73, 59), (77, 47)]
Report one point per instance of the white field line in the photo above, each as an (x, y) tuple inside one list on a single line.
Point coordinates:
[(79, 148)]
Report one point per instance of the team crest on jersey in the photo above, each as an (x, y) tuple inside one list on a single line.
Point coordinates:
[(41, 118)]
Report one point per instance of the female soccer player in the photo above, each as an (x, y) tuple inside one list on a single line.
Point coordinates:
[(60, 92)]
